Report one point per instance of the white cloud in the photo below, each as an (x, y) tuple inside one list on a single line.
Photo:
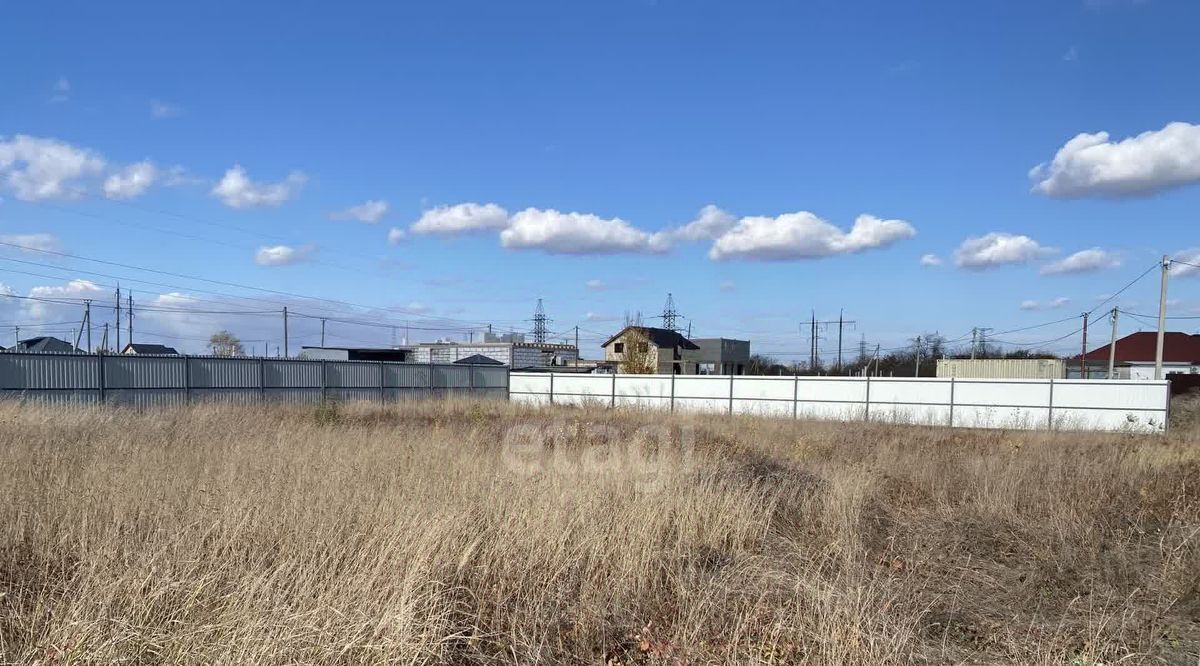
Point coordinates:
[(236, 190), (1084, 261), (1071, 55), (61, 91), (596, 316), (461, 218), (1191, 256), (596, 285), (396, 235), (369, 212), (710, 224), (727, 285), (997, 249), (38, 169), (1092, 165), (576, 233), (132, 181), (1055, 304), (32, 243), (74, 289), (931, 260), (160, 109), (803, 235), (282, 255)]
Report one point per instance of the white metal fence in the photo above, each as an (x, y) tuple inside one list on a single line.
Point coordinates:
[(162, 380), (983, 403)]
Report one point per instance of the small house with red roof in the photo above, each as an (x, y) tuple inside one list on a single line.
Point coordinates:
[(1135, 356)]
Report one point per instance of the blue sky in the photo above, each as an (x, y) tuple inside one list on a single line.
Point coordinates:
[(512, 151)]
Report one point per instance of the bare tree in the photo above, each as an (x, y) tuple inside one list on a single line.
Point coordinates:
[(638, 356), (224, 343)]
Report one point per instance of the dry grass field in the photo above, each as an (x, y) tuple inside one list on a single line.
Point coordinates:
[(451, 532)]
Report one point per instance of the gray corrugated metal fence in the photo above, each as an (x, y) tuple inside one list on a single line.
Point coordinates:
[(165, 380)]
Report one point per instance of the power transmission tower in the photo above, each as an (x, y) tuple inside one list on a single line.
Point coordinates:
[(842, 321), (539, 323), (862, 348), (979, 341), (670, 314)]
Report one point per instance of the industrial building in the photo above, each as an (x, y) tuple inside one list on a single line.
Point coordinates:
[(722, 356), (394, 354), (516, 355)]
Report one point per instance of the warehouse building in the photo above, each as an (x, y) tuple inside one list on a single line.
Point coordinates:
[(393, 354), (516, 355), (1001, 368)]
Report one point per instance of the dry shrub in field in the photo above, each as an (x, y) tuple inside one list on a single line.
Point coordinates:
[(435, 532)]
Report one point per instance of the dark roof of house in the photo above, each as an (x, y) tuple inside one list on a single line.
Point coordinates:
[(478, 359), (1141, 347), (663, 338), (149, 348), (45, 343)]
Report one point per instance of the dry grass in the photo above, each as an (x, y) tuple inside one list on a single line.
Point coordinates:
[(430, 534)]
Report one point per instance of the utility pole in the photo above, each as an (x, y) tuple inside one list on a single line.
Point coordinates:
[(917, 368), (118, 319), (130, 313), (104, 340), (839, 367), (285, 333), (16, 334), (1083, 373), (87, 317), (322, 331), (1162, 318), (1112, 346), (974, 341), (812, 343), (577, 345)]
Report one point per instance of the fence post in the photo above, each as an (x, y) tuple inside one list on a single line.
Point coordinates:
[(731, 393), (951, 402), (262, 379), (795, 396), (431, 373), (613, 402), (552, 387), (1050, 419), (187, 379), (471, 381), (867, 406), (100, 373), (672, 390), (324, 381), (382, 387)]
